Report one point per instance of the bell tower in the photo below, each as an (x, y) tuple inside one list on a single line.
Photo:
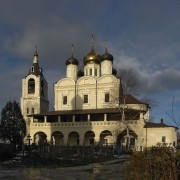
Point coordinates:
[(34, 98)]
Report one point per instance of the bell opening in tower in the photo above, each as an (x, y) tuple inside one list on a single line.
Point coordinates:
[(31, 86)]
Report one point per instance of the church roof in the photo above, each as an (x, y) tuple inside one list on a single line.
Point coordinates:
[(72, 60), (161, 124), (92, 57), (35, 69), (129, 99), (107, 56), (86, 111)]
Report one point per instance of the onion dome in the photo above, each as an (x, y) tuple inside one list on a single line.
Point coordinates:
[(114, 72), (92, 57), (72, 60), (80, 73), (107, 56)]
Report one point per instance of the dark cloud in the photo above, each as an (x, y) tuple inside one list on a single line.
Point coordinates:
[(147, 81), (143, 36)]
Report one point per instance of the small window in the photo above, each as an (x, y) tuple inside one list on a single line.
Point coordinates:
[(27, 110), (90, 72), (163, 139), (32, 110), (32, 69), (95, 72), (86, 98), (64, 100), (106, 97)]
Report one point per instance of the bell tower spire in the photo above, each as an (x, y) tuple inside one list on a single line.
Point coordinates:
[(35, 60)]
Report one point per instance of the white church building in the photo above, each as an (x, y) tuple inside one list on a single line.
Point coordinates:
[(90, 108)]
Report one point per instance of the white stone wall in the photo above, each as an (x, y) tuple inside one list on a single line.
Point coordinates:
[(85, 85), (71, 71), (106, 67), (64, 87), (92, 66), (153, 136), (35, 100), (107, 84), (82, 128)]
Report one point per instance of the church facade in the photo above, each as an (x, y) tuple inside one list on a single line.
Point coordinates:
[(90, 107)]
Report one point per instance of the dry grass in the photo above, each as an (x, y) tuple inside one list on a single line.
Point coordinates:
[(159, 163)]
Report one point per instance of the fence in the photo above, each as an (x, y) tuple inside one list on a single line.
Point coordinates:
[(73, 151)]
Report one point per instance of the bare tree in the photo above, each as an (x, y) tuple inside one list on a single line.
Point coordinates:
[(121, 96), (175, 121), (128, 81)]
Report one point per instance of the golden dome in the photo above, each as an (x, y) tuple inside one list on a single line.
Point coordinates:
[(92, 57)]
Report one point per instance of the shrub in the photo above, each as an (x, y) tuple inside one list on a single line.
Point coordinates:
[(6, 153), (158, 163)]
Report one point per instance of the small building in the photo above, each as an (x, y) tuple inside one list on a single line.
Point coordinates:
[(160, 134)]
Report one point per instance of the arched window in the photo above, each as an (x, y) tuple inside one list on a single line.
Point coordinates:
[(95, 72), (85, 98), (90, 72), (106, 97), (31, 86), (64, 100), (27, 110), (32, 110)]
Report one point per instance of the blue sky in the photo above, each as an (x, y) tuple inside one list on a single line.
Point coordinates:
[(142, 35)]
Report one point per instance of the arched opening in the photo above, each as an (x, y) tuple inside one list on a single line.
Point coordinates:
[(127, 139), (31, 86), (73, 139), (89, 138), (106, 138), (57, 138), (32, 110), (40, 138)]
